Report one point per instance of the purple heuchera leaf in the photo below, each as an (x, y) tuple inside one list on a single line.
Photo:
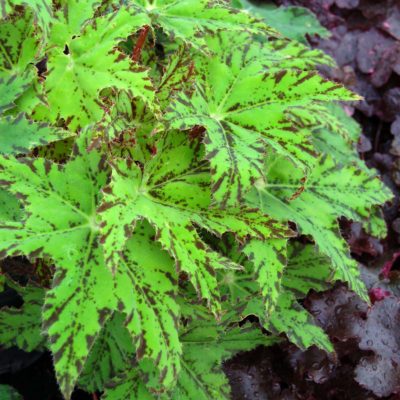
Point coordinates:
[(392, 24), (380, 372), (378, 294), (376, 55)]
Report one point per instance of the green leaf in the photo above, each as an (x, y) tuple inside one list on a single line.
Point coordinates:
[(269, 260), (337, 135), (130, 128), (244, 107), (21, 327), (20, 135), (9, 393), (307, 269), (10, 208), (42, 10), (112, 353), (293, 22), (146, 288), (60, 203), (292, 319), (128, 386), (205, 347), (74, 67), (284, 315), (375, 225), (18, 48), (173, 196), (331, 191), (204, 350), (189, 20)]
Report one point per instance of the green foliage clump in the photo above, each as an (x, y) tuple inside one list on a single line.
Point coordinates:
[(159, 161)]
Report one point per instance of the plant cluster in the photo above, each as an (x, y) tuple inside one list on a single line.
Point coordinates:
[(170, 168), (364, 42)]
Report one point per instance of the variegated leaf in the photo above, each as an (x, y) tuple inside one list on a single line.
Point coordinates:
[(60, 223), (307, 269), (331, 191), (205, 347), (112, 353), (73, 64), (269, 259), (10, 207), (20, 135), (189, 20), (21, 327), (280, 313), (18, 51), (42, 10), (291, 318), (173, 198), (146, 288), (245, 107)]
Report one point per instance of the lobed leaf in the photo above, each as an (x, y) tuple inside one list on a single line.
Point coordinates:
[(60, 223), (331, 191), (146, 288), (73, 64), (174, 198), (189, 20), (112, 352), (201, 378), (245, 107), (269, 260)]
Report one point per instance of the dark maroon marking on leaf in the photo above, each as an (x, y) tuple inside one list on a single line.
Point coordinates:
[(279, 76)]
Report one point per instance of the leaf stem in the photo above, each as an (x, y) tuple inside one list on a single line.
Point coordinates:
[(137, 51)]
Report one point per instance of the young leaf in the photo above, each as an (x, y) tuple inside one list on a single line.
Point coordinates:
[(243, 106), (60, 204)]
